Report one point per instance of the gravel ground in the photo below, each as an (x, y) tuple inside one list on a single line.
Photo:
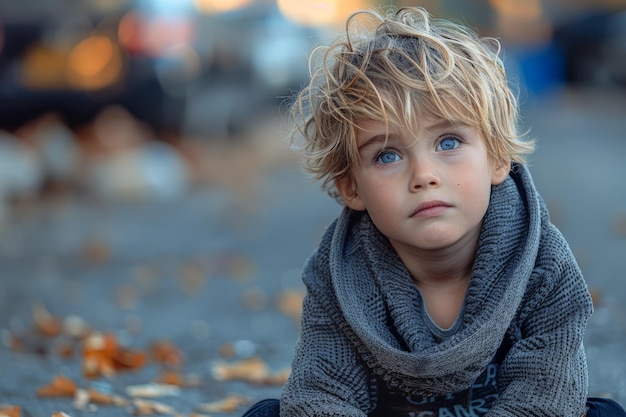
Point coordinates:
[(209, 272)]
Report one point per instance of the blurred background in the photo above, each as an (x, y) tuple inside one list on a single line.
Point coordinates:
[(146, 185), (83, 80), (83, 83)]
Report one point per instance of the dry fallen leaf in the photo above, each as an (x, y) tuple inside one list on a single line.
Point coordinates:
[(96, 364), (126, 359), (246, 369), (101, 342), (172, 377), (166, 353), (253, 370), (229, 404), (10, 411), (45, 323), (147, 407), (152, 390), (102, 398), (103, 356), (60, 386), (276, 378)]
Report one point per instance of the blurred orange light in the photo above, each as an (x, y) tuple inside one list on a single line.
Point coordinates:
[(309, 12), (220, 6), (522, 21), (524, 10), (319, 12), (43, 68), (95, 62)]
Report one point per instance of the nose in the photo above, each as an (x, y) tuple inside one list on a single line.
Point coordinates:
[(424, 174)]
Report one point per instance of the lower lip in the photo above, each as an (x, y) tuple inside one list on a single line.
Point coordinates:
[(431, 211)]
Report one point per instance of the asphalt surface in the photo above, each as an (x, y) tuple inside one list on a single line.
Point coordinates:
[(208, 271)]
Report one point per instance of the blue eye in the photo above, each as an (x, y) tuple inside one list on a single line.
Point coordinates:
[(448, 143), (387, 157)]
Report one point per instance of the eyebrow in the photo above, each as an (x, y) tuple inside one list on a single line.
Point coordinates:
[(441, 124), (379, 138)]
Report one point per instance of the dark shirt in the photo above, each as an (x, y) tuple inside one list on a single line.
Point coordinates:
[(475, 401)]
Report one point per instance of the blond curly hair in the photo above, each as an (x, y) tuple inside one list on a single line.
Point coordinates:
[(399, 66)]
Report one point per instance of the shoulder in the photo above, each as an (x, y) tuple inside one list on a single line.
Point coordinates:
[(556, 278), (341, 238), (337, 239)]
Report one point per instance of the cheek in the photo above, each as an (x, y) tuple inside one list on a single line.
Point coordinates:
[(476, 189)]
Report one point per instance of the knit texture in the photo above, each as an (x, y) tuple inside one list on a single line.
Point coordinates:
[(362, 319)]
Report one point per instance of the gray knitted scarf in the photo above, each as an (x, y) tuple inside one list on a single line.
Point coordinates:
[(391, 336)]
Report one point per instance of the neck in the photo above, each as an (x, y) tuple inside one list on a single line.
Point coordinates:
[(443, 267)]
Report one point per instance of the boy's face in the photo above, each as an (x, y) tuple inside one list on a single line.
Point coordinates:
[(424, 191)]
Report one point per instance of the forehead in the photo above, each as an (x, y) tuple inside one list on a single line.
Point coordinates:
[(367, 128)]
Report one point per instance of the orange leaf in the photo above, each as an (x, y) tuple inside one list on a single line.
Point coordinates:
[(98, 397), (60, 386), (229, 404), (172, 377), (253, 368), (10, 411), (165, 352), (129, 359), (147, 407), (96, 364), (101, 342), (45, 323)]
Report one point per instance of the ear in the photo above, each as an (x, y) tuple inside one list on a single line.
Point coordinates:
[(500, 171), (349, 193)]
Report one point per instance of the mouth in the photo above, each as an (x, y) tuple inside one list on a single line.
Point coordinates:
[(430, 209)]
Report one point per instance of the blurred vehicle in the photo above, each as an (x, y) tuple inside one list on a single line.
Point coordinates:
[(72, 62), (167, 63), (593, 46)]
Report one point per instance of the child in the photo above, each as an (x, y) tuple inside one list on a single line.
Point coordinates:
[(442, 289)]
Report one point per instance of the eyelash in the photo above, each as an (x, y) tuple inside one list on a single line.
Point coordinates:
[(382, 152), (457, 138), (449, 136)]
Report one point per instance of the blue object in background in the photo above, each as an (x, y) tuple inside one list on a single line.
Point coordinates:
[(540, 68)]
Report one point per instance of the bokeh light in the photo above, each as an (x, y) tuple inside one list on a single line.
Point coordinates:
[(43, 68), (319, 12), (155, 34), (526, 10), (220, 6), (96, 62)]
